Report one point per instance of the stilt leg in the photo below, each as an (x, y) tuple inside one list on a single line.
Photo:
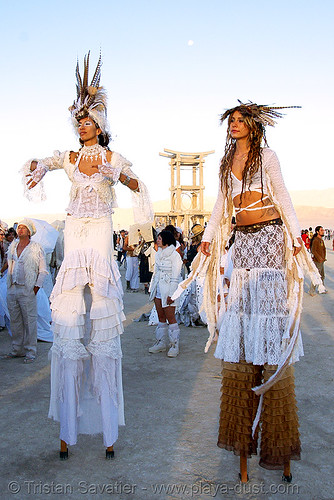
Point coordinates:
[(110, 453), (287, 476), (63, 454), (243, 469)]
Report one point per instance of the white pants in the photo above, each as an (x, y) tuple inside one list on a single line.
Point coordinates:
[(23, 320), (86, 381), (132, 272), (86, 377)]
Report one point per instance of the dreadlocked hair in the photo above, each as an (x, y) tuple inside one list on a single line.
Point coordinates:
[(257, 134)]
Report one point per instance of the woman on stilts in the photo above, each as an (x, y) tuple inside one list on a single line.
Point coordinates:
[(86, 301), (259, 337)]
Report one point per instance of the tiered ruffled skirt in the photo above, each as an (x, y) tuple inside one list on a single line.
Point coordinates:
[(279, 420), (87, 315), (250, 345)]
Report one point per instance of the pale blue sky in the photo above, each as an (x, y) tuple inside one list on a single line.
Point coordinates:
[(162, 91)]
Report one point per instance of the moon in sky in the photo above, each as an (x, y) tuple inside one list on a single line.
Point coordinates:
[(190, 42)]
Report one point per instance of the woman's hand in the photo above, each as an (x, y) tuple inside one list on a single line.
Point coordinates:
[(296, 250), (205, 248), (30, 183)]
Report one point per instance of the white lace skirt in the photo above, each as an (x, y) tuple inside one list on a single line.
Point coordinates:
[(257, 314)]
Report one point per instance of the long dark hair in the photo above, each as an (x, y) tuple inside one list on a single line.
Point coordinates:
[(257, 134), (167, 238)]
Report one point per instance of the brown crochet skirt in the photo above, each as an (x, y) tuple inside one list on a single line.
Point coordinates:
[(279, 421)]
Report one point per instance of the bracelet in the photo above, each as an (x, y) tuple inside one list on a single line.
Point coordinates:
[(127, 180)]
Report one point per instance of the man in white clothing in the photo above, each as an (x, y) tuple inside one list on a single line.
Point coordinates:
[(132, 267), (26, 273)]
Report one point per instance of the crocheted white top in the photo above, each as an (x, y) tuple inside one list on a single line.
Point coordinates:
[(272, 173), (90, 196), (88, 192)]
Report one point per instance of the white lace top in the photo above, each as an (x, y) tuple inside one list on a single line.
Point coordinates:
[(90, 196), (271, 174)]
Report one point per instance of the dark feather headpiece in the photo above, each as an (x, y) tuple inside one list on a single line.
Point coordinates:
[(261, 113), (91, 99)]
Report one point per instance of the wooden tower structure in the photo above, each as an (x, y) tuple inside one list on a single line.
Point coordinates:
[(186, 190)]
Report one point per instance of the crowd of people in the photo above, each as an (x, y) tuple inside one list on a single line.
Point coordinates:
[(139, 270), (241, 275), (168, 259)]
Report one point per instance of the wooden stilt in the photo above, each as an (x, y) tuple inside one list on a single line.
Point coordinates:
[(63, 445), (243, 468), (287, 476), (287, 470)]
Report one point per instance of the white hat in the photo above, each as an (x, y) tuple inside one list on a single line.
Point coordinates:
[(179, 230), (28, 223)]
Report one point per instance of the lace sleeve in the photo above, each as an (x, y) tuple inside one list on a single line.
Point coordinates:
[(141, 202), (215, 218), (281, 195), (111, 172), (37, 193)]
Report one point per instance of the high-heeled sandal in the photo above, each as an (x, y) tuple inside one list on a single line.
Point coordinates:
[(110, 453), (63, 455), (240, 476)]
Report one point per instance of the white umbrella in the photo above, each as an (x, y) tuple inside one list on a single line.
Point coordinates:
[(45, 235)]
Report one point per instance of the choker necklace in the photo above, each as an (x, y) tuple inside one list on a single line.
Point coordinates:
[(91, 153)]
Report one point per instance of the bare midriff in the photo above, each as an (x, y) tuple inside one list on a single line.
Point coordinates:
[(245, 217)]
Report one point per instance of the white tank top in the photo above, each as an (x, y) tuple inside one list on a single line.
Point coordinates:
[(255, 185)]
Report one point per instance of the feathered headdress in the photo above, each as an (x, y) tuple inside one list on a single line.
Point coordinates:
[(91, 99), (261, 113)]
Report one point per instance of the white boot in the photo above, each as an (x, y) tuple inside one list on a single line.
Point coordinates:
[(160, 335), (173, 334)]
